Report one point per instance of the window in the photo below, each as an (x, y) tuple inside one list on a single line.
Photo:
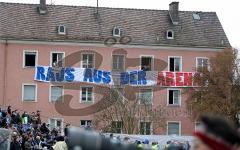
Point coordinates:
[(173, 128), (117, 32), (57, 59), (61, 30), (87, 60), (146, 63), (196, 16), (146, 96), (30, 58), (117, 62), (56, 123), (145, 128), (29, 92), (202, 63), (170, 34), (116, 127), (86, 94), (174, 97), (56, 93), (85, 123), (175, 64)]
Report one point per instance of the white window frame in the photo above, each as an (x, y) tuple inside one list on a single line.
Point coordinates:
[(152, 62), (120, 32), (36, 58), (180, 97), (202, 58), (122, 125), (92, 94), (62, 125), (81, 65), (50, 93), (85, 122), (151, 127), (23, 84), (180, 126), (124, 59), (181, 63), (172, 34), (61, 33), (139, 101), (51, 53)]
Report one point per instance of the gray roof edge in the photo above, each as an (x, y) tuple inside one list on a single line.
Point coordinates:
[(3, 40), (49, 5)]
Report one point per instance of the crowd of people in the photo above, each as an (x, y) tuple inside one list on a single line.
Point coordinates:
[(213, 133), (28, 131), (153, 145)]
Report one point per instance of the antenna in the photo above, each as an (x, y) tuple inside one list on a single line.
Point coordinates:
[(52, 2), (97, 6)]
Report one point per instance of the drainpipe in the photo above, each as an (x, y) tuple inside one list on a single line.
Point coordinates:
[(5, 73)]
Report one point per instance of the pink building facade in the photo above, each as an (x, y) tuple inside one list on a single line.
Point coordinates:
[(21, 53)]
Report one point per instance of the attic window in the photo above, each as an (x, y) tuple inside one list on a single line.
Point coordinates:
[(61, 30), (170, 34), (196, 16), (117, 32)]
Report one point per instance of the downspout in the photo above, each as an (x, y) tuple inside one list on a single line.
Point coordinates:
[(5, 72)]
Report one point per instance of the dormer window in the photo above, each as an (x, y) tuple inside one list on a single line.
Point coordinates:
[(196, 16), (61, 30), (170, 34), (117, 32)]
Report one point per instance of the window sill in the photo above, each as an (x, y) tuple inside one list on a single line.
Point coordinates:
[(174, 105), (88, 102), (26, 67), (28, 101)]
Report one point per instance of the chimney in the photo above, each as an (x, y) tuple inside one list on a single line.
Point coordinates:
[(173, 12), (42, 8), (43, 2)]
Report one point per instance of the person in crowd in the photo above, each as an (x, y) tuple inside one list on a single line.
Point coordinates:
[(44, 129), (15, 145), (25, 118), (88, 126), (216, 133), (139, 145), (111, 136), (154, 146), (27, 143), (61, 144), (0, 113), (125, 140), (39, 117), (146, 144), (9, 111)]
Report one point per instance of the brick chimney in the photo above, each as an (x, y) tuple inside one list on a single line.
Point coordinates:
[(42, 9), (173, 12)]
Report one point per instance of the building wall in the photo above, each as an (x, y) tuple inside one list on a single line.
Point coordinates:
[(16, 75), (2, 59)]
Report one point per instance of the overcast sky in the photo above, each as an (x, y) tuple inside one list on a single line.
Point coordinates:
[(228, 11)]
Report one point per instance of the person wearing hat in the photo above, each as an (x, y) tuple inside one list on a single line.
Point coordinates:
[(216, 133)]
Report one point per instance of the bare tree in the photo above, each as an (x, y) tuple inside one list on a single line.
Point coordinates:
[(130, 112), (218, 90)]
